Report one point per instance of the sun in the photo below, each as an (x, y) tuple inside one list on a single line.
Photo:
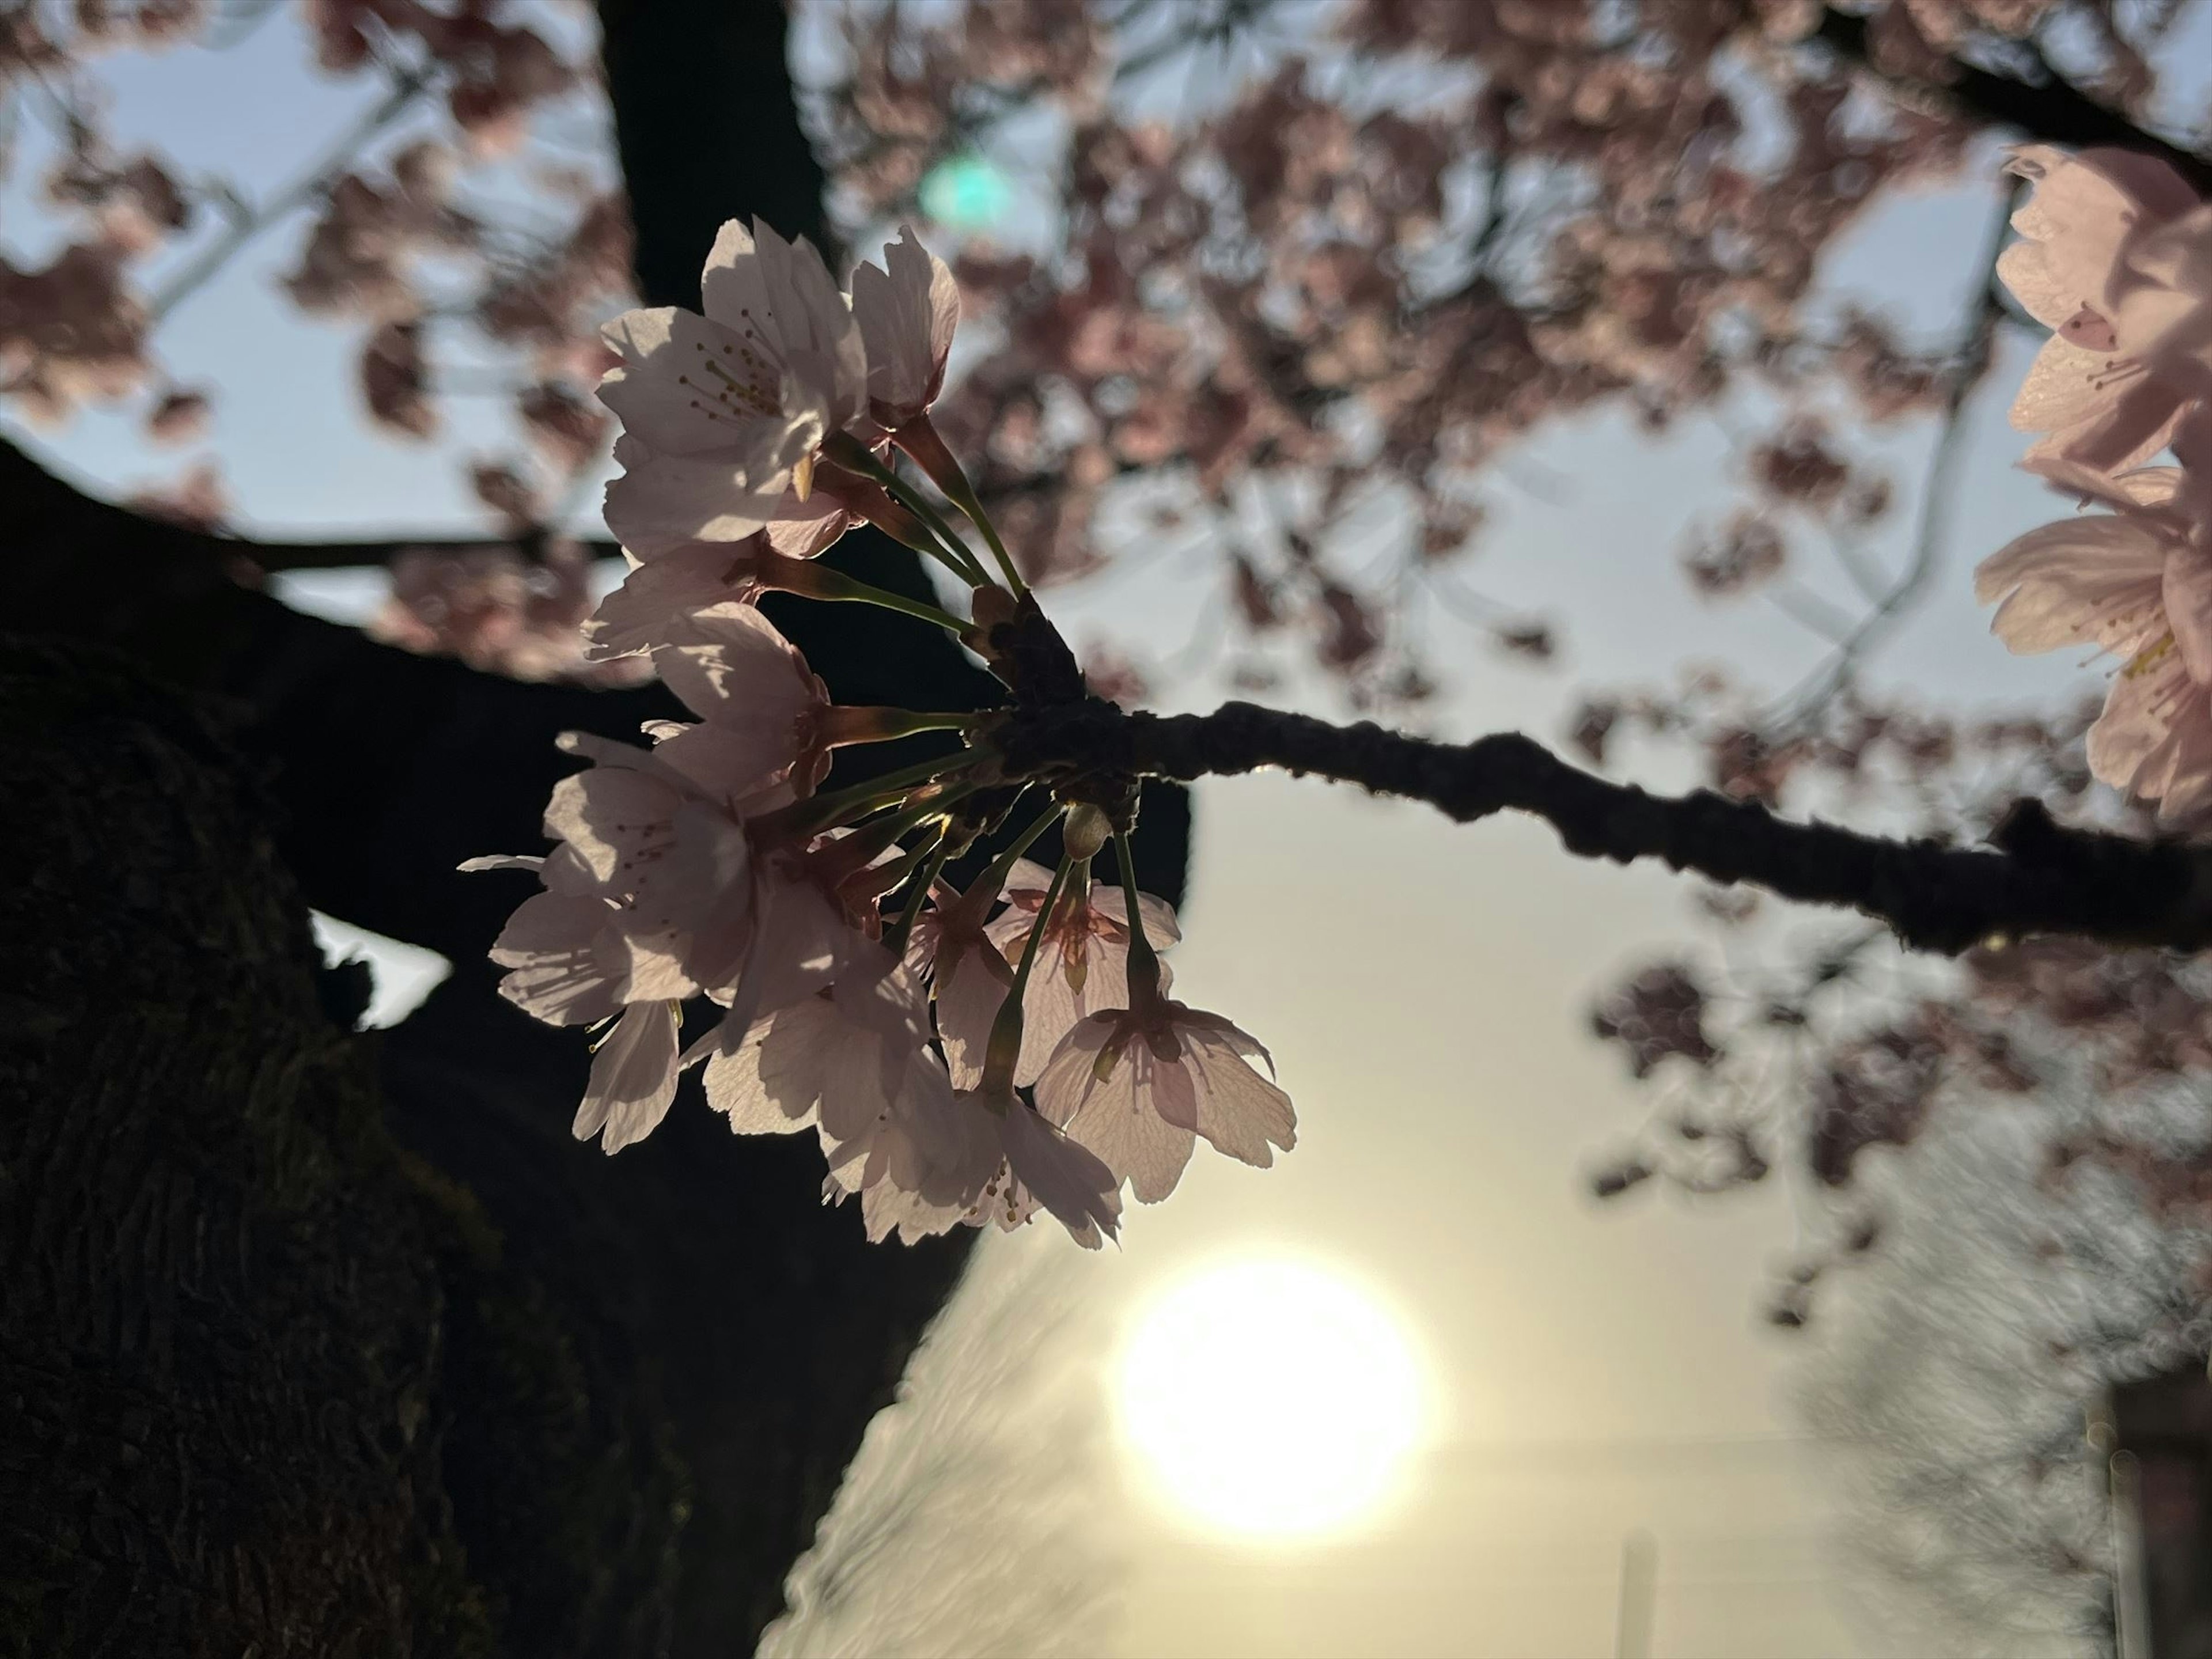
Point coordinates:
[(1272, 1399)]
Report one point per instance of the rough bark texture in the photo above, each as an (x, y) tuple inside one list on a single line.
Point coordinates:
[(266, 1378)]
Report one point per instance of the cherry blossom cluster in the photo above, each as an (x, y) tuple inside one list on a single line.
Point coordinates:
[(468, 259), (1278, 287), (964, 1054), (2115, 258)]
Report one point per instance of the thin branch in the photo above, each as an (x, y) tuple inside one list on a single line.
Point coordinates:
[(2036, 877), (2055, 113), (406, 87), (1937, 498), (1809, 611), (347, 554)]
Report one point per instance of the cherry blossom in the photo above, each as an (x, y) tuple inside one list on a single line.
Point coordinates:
[(944, 1157), (765, 717), (1140, 1087), (908, 309), (722, 412), (849, 987), (498, 612), (839, 1059), (1082, 965), (2136, 582), (2115, 258), (633, 1081)]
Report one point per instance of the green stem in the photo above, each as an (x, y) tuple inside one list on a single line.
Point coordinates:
[(901, 930), (819, 811), (825, 583), (976, 516), (921, 506), (921, 440), (1144, 961), (996, 871), (1004, 1051), (1044, 914), (915, 502)]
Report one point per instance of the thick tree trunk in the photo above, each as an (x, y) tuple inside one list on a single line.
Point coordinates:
[(267, 1378)]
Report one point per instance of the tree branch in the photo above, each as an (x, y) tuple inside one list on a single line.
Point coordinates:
[(2036, 877), (2054, 114)]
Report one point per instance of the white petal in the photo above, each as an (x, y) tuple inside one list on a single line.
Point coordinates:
[(1239, 1111), (1073, 1184), (633, 1078)]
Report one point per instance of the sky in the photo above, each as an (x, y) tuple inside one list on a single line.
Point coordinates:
[(1587, 1374)]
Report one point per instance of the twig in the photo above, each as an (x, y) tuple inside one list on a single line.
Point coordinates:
[(2055, 113), (1937, 498), (406, 87), (2036, 877)]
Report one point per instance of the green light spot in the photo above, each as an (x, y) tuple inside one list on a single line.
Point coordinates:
[(965, 192)]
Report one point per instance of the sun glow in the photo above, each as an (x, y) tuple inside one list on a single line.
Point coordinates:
[(1272, 1399)]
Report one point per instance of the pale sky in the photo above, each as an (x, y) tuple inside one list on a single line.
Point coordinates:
[(1591, 1372)]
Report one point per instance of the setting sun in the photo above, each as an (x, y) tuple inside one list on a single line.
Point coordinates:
[(1271, 1399)]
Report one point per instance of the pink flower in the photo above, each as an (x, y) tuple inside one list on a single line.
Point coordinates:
[(2136, 583), (633, 1072), (839, 1059), (721, 413), (567, 956), (766, 722), (1082, 968), (664, 591), (907, 310), (2116, 258), (971, 976), (665, 588), (943, 1156), (674, 864), (651, 894), (850, 1059), (498, 612), (1138, 1087)]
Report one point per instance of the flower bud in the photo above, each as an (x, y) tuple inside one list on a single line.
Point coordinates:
[(1085, 831)]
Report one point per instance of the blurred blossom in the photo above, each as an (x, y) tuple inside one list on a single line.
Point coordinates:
[(498, 612)]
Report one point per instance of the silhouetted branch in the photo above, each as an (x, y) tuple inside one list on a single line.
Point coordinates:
[(2036, 877), (2055, 113)]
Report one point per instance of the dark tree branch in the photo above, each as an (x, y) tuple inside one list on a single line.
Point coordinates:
[(2036, 878), (2056, 112)]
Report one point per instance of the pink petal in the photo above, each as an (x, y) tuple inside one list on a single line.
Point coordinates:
[(633, 1078), (2188, 598)]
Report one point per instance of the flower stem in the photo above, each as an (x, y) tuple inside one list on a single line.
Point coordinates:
[(819, 812), (857, 458), (825, 583), (973, 508), (919, 439), (999, 866), (1144, 961), (1006, 1048), (923, 881)]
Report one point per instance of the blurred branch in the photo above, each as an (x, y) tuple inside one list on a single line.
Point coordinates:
[(343, 555), (407, 85), (2053, 111), (2036, 877), (1937, 497)]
